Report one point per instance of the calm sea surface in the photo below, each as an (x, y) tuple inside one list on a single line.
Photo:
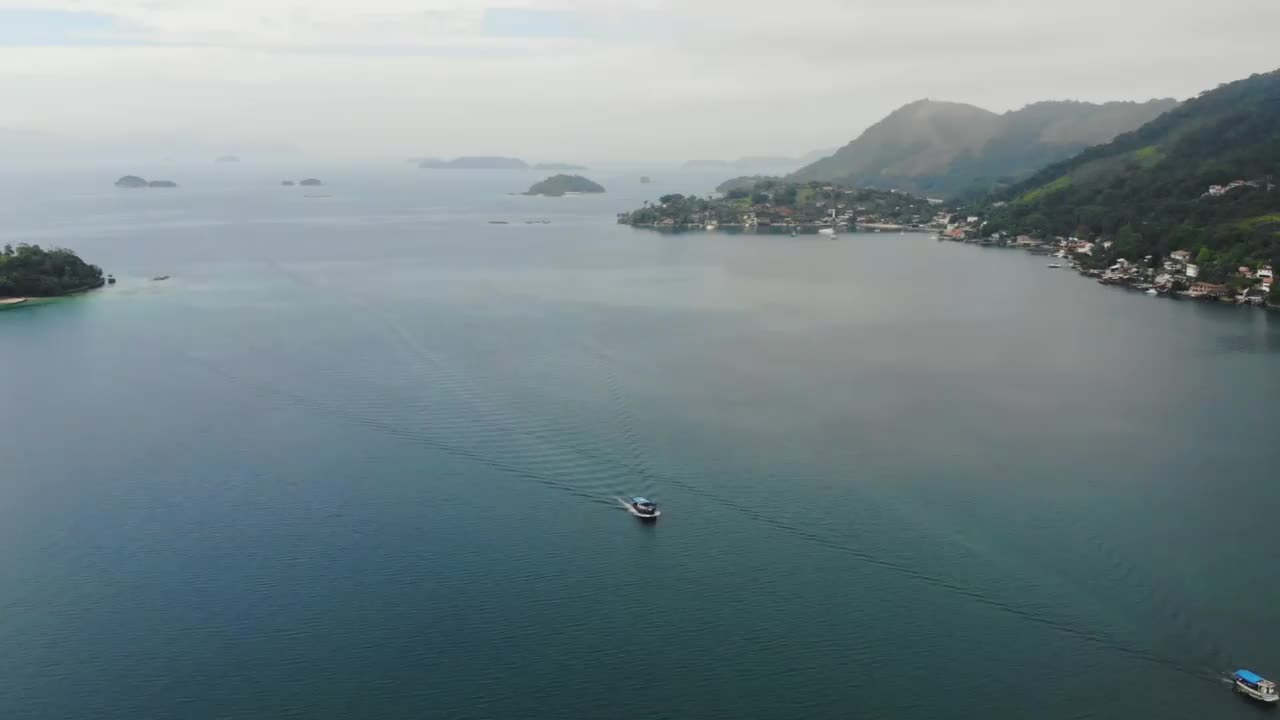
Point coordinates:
[(359, 458)]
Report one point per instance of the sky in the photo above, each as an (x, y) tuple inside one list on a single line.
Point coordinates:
[(582, 80)]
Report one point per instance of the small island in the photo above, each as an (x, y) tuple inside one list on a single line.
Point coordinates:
[(287, 183), (310, 182), (29, 271), (558, 185), (558, 166), (133, 182)]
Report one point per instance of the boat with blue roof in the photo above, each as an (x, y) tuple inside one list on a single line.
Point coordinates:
[(643, 508), (1255, 686)]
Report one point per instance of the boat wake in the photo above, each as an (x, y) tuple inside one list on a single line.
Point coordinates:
[(465, 420)]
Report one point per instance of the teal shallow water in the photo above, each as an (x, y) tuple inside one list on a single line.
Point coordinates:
[(358, 458)]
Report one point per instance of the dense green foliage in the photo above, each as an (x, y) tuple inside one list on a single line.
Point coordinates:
[(950, 149), (558, 185), (773, 200), (744, 182), (31, 271), (1147, 191)]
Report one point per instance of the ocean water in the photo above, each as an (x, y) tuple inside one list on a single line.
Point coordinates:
[(359, 458)]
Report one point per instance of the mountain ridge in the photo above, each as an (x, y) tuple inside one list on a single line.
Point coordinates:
[(950, 148)]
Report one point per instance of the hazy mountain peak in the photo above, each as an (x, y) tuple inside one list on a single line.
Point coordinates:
[(934, 146)]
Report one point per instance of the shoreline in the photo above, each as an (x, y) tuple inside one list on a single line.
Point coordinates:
[(780, 229), (13, 303), (1125, 281)]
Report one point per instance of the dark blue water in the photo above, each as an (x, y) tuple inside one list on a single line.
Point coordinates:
[(359, 458)]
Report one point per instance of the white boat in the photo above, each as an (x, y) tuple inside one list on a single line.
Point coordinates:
[(1152, 292), (1055, 265), (829, 232), (1255, 686), (712, 226), (642, 508)]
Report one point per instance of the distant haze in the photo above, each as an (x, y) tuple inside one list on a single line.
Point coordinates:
[(572, 80)]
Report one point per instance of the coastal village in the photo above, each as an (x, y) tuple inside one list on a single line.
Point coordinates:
[(774, 206), (1178, 275)]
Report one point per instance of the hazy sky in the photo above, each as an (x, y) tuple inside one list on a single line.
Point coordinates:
[(590, 79)]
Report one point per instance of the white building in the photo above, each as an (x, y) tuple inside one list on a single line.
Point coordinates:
[(1193, 271)]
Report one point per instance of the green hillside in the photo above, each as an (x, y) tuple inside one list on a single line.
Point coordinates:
[(1149, 190), (942, 148)]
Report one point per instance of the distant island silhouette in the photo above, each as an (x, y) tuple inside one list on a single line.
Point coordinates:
[(558, 185), (133, 181), (474, 163)]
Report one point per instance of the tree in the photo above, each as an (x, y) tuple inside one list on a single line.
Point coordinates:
[(29, 270)]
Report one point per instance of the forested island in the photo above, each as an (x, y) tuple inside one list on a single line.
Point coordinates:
[(773, 203), (31, 271), (558, 185)]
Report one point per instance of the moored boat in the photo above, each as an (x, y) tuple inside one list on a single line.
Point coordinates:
[(1255, 686)]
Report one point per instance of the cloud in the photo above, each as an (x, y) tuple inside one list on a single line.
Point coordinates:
[(42, 27), (528, 22), (585, 79)]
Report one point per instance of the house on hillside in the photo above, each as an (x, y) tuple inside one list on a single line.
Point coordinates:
[(1182, 256)]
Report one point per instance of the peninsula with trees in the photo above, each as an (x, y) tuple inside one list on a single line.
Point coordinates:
[(30, 271), (774, 204)]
